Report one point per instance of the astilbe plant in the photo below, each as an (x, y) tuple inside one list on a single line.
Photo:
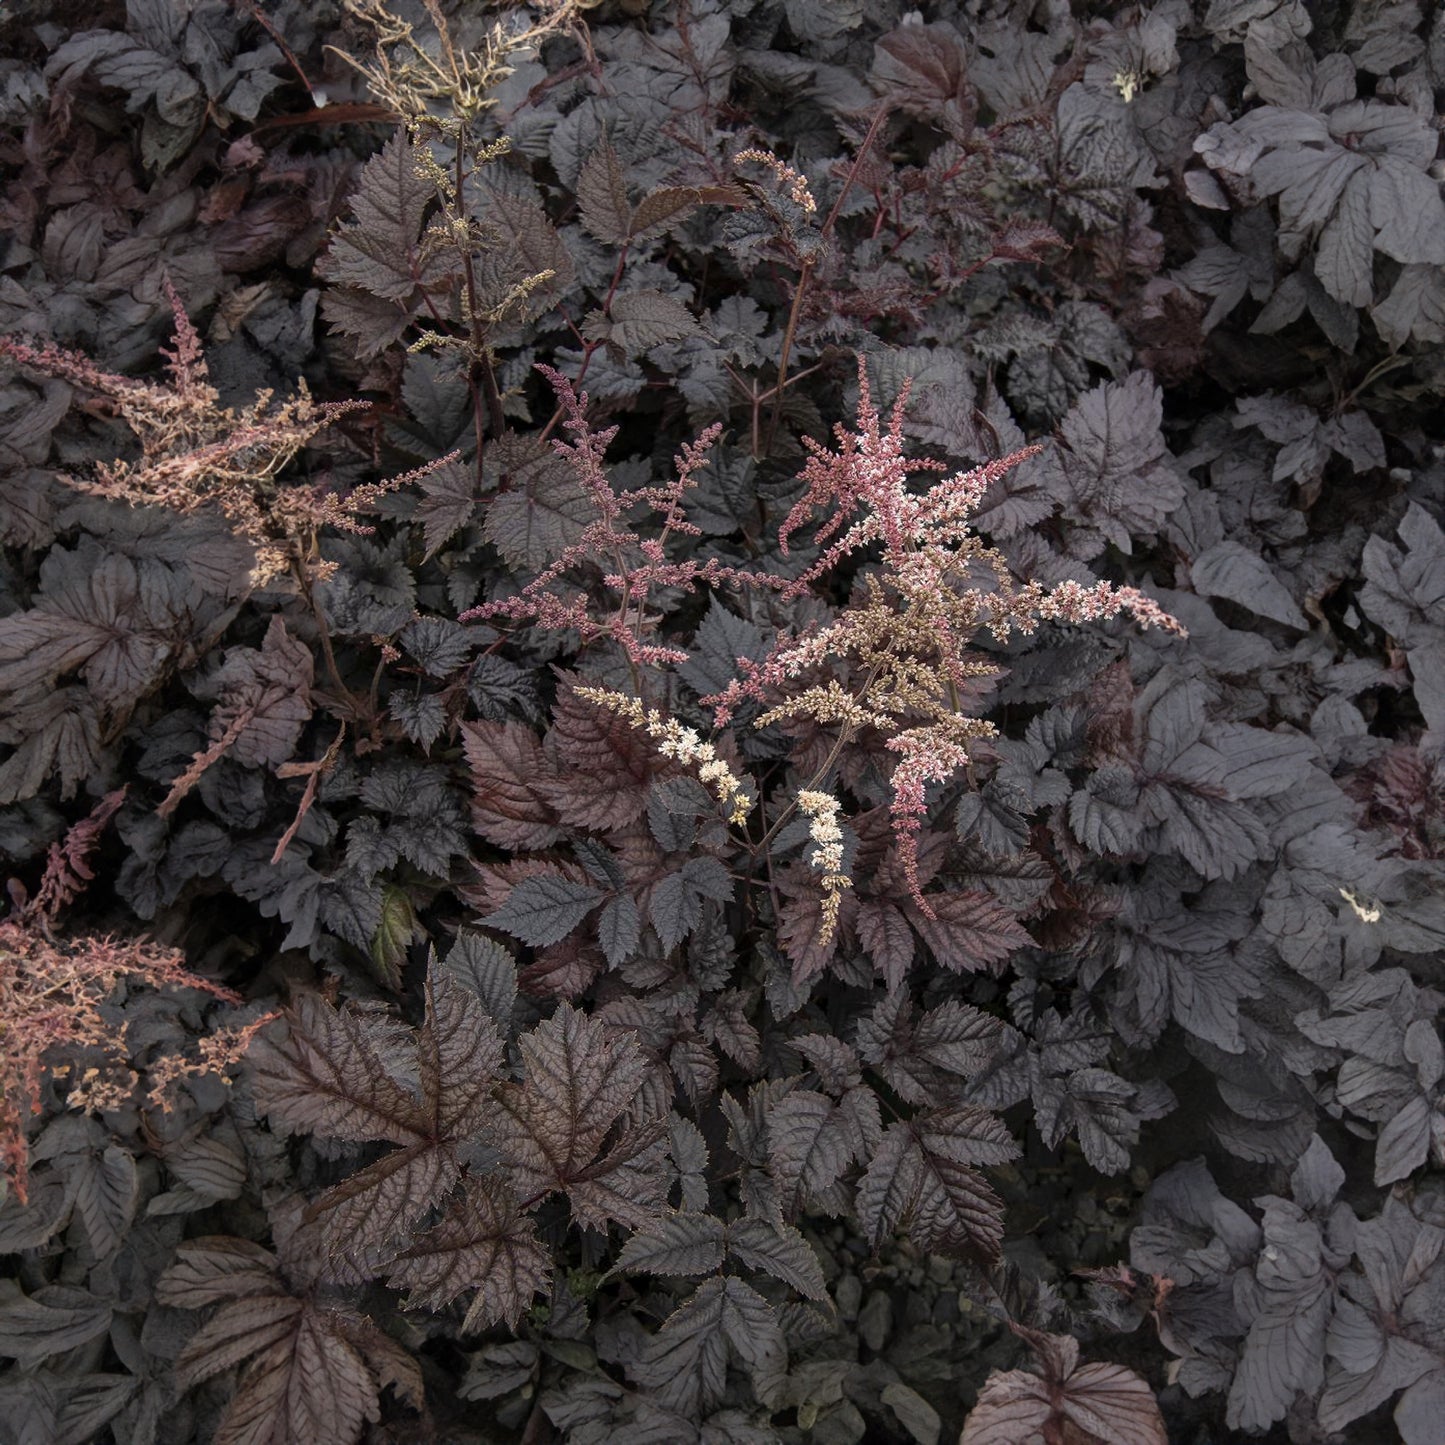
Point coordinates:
[(600, 1185), (904, 644), (440, 86), (53, 992)]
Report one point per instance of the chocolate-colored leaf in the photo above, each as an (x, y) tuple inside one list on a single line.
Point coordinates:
[(922, 1178), (1239, 575), (542, 511), (602, 766), (580, 1078), (323, 1072), (602, 197), (619, 927), (667, 205), (780, 1252), (675, 1244), (1090, 1404), (213, 1268), (481, 1243), (922, 69), (544, 909), (884, 932), (49, 1321), (507, 769), (379, 251), (447, 503), (310, 1385), (104, 1187), (339, 1075), (685, 1363), (639, 320), (808, 1148), (969, 931), (489, 971), (238, 1330), (1288, 1312)]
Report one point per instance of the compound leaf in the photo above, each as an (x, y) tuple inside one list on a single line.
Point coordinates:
[(781, 1252), (685, 1363), (922, 1178)]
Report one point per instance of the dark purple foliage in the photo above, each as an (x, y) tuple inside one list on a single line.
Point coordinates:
[(1012, 1020)]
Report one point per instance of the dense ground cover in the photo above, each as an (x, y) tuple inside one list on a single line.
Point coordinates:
[(722, 721)]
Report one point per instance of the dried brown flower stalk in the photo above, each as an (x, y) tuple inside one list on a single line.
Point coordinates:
[(411, 73)]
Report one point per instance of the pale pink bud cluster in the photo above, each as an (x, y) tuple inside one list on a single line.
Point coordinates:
[(1073, 602), (926, 755), (794, 182)]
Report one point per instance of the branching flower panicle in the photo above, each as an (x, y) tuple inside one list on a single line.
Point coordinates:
[(639, 564), (196, 453), (52, 994), (683, 745), (217, 1053), (67, 864), (907, 635)]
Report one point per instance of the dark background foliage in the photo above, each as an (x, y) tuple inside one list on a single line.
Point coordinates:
[(576, 1127)]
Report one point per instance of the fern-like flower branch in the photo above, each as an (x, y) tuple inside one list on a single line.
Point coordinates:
[(682, 744), (639, 564), (827, 835)]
